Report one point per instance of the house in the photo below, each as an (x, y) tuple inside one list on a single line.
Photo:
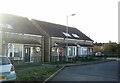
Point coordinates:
[(98, 47), (60, 45), (20, 40)]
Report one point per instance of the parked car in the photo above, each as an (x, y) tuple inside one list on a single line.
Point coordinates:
[(99, 54), (7, 71)]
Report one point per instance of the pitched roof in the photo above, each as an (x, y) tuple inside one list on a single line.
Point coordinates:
[(56, 30), (17, 24)]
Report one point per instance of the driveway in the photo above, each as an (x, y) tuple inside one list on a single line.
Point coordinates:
[(107, 71)]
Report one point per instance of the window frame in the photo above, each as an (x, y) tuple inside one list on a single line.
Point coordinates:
[(74, 51)]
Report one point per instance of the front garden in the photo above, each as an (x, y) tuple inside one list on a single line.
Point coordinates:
[(34, 72)]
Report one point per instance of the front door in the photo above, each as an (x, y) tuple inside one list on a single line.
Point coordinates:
[(27, 54)]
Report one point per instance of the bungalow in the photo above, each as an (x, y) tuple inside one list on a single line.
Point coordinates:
[(60, 45), (20, 40)]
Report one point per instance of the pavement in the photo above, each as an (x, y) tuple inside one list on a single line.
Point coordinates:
[(78, 63)]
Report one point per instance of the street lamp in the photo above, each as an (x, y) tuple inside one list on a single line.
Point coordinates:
[(67, 36)]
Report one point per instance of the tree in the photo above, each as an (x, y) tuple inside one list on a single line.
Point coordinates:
[(111, 49)]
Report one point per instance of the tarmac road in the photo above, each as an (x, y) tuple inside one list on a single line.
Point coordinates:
[(107, 71)]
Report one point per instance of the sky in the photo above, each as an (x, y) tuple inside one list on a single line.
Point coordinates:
[(98, 19)]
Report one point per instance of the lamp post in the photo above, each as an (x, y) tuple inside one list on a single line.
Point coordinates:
[(67, 36)]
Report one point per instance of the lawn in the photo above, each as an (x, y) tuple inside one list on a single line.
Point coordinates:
[(34, 73)]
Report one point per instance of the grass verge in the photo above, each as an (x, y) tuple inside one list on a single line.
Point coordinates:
[(37, 73)]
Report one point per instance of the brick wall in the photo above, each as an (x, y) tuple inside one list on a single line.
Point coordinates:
[(46, 50)]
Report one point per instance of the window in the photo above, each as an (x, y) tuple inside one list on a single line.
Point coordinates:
[(15, 50), (79, 51), (8, 26), (84, 50), (67, 34), (75, 35), (10, 50), (71, 51)]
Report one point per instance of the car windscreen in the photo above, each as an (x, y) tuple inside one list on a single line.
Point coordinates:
[(4, 61)]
